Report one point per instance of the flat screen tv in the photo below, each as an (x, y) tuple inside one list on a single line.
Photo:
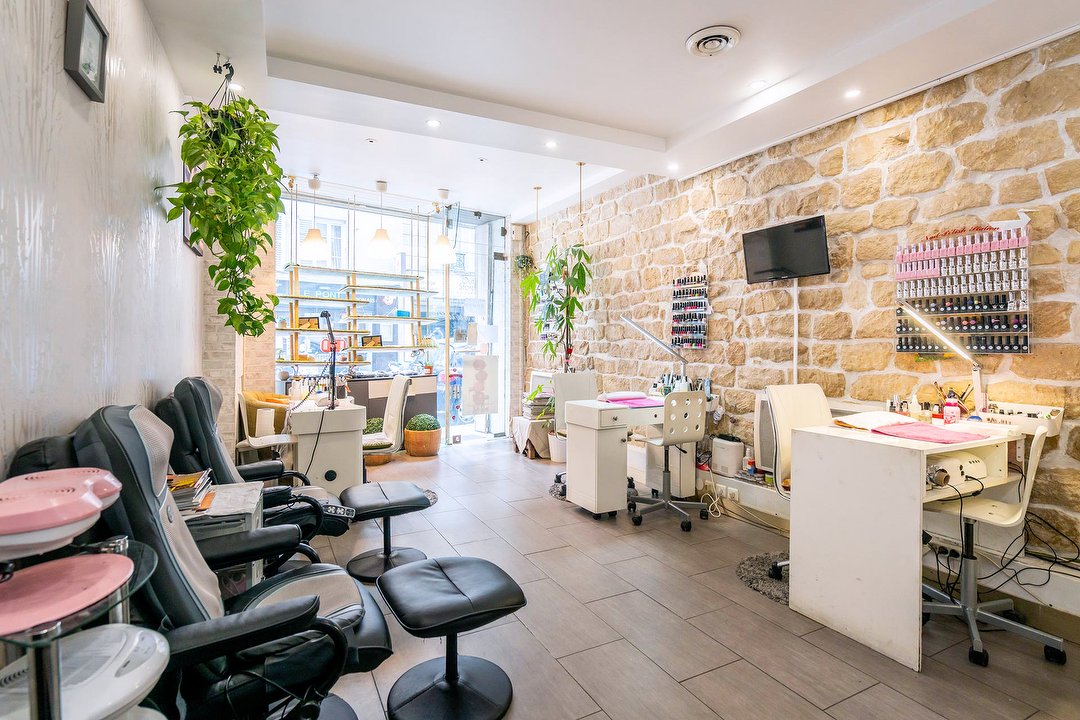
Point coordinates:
[(796, 249)]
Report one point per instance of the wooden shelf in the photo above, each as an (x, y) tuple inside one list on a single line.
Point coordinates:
[(387, 318), (343, 271), (322, 331), (315, 298), (389, 290), (393, 348), (319, 362)]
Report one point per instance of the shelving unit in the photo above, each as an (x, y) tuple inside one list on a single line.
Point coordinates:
[(973, 284), (690, 312)]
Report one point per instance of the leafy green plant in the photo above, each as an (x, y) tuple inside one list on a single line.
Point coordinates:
[(422, 422), (524, 263), (374, 425), (233, 192), (553, 293)]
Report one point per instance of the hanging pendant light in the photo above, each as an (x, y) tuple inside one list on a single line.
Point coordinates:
[(314, 240), (443, 252), (380, 241), (580, 191)]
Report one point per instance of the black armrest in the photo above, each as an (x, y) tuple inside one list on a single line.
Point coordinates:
[(290, 474), (231, 634), (276, 495), (237, 548), (261, 470)]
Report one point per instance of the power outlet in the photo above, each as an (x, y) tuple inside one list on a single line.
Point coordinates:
[(710, 488), (732, 494)]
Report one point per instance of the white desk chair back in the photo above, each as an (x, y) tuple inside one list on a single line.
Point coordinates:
[(684, 417), (264, 436), (569, 387), (393, 418), (794, 407)]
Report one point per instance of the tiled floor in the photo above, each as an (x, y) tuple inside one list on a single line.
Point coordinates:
[(650, 622)]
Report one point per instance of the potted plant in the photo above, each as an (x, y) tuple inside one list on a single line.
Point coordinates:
[(233, 192), (553, 293), (422, 436)]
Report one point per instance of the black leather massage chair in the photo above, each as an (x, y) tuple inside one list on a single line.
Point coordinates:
[(191, 411), (277, 648)]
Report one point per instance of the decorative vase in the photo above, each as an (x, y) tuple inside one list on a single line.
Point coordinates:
[(423, 443)]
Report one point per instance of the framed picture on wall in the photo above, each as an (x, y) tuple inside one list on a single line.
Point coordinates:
[(86, 42)]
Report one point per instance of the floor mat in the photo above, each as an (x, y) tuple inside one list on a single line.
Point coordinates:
[(754, 572)]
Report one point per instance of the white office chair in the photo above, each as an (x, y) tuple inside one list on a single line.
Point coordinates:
[(793, 407), (568, 387), (684, 422), (972, 510), (263, 437), (384, 444)]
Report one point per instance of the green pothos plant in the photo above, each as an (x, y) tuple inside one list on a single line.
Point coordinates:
[(233, 191), (553, 291)]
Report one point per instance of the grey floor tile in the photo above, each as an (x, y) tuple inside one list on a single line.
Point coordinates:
[(881, 701), (525, 535), (460, 526), (598, 716), (550, 513), (597, 543), (519, 487), (358, 689), (628, 686), (669, 587), (943, 632), (740, 691), (947, 692), (689, 559), (579, 575), (429, 542), (486, 506), (498, 551), (677, 647), (408, 651), (802, 667), (458, 485), (542, 688), (408, 523), (561, 622), (701, 530), (725, 582)]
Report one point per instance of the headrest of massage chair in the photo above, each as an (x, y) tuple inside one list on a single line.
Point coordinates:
[(49, 453), (200, 402), (184, 456)]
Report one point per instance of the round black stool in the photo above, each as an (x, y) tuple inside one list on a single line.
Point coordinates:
[(443, 597), (382, 501)]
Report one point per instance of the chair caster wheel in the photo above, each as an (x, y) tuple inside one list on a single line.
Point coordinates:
[(562, 490), (629, 483), (631, 507), (685, 525), (596, 516), (655, 493), (776, 572), (703, 514), (636, 519), (978, 658), (612, 513), (1054, 655)]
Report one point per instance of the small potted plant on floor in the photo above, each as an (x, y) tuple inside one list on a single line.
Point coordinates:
[(422, 436)]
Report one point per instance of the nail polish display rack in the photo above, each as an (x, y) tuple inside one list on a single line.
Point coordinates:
[(973, 285), (690, 312)]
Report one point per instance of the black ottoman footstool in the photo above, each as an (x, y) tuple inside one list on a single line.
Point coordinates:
[(442, 597), (383, 500)]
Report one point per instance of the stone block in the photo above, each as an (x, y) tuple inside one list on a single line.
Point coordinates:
[(766, 301), (883, 293), (881, 386), (807, 201), (1071, 207), (833, 326), (825, 137), (877, 324), (861, 189), (778, 351), (946, 92), (1050, 361), (786, 172), (896, 110), (730, 188), (847, 222), (756, 378), (880, 145), (749, 216), (831, 162), (735, 354), (1068, 523), (739, 402), (1027, 392), (949, 125), (1019, 189), (823, 354), (1057, 486), (1051, 318), (1074, 251), (1021, 148), (876, 247), (919, 173), (700, 199), (960, 196), (1072, 446), (1072, 129), (894, 213), (833, 384), (1047, 281), (1044, 220), (861, 357), (674, 207), (992, 78), (840, 251), (1065, 48), (1063, 176), (875, 269), (820, 298)]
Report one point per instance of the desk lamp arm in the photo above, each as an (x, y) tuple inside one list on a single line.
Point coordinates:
[(976, 369), (658, 342)]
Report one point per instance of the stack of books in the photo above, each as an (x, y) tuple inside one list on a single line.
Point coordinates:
[(541, 406), (192, 492)]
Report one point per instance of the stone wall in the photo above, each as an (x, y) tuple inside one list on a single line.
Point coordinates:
[(973, 149)]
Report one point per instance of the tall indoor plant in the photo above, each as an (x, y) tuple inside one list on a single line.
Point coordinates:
[(233, 192), (553, 292)]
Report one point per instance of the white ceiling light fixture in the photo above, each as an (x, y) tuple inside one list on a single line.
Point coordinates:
[(758, 85), (433, 123), (314, 240), (712, 40), (380, 241), (853, 93), (551, 144)]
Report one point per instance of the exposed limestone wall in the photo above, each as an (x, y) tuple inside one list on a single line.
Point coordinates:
[(970, 150)]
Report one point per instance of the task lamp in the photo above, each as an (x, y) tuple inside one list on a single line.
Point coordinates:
[(976, 368), (658, 342)]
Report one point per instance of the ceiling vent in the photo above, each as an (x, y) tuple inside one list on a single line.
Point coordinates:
[(712, 40)]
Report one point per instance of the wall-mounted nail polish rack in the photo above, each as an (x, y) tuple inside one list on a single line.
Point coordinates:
[(971, 284), (690, 312)]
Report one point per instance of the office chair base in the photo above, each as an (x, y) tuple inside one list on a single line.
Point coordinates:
[(367, 567), (482, 691), (776, 570)]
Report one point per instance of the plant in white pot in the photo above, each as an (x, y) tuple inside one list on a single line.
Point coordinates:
[(423, 436)]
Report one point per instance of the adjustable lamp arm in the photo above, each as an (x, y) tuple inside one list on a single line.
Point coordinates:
[(658, 342), (976, 368)]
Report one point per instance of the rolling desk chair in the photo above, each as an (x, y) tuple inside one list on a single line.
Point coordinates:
[(970, 511), (684, 422), (568, 387), (792, 407)]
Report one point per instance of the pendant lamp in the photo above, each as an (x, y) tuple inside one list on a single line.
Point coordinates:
[(380, 241), (314, 240), (443, 252)]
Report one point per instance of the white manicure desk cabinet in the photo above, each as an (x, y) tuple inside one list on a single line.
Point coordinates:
[(856, 528)]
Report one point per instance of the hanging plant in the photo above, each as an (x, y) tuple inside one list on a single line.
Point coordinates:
[(553, 291), (524, 263), (233, 192)]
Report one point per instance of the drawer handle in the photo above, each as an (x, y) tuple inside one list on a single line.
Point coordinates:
[(614, 418)]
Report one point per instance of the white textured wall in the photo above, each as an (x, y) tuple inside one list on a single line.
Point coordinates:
[(99, 301)]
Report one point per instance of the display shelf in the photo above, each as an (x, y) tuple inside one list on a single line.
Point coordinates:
[(387, 318), (323, 332), (362, 273), (391, 348), (316, 298), (320, 362), (388, 290), (690, 312)]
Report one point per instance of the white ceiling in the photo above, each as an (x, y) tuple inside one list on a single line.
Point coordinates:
[(608, 80)]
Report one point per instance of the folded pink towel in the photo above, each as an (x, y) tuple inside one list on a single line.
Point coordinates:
[(927, 433), (638, 402)]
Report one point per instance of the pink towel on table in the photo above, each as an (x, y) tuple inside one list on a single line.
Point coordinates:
[(638, 402), (927, 433)]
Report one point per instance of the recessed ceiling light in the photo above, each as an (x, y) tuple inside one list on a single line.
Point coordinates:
[(236, 87), (482, 159), (551, 144), (371, 140), (853, 93), (673, 166), (433, 123), (758, 84)]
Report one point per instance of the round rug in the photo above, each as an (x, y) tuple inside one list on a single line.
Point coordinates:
[(434, 498), (754, 572)]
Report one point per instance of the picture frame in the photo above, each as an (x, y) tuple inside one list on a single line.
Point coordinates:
[(307, 323), (86, 44), (370, 341)]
